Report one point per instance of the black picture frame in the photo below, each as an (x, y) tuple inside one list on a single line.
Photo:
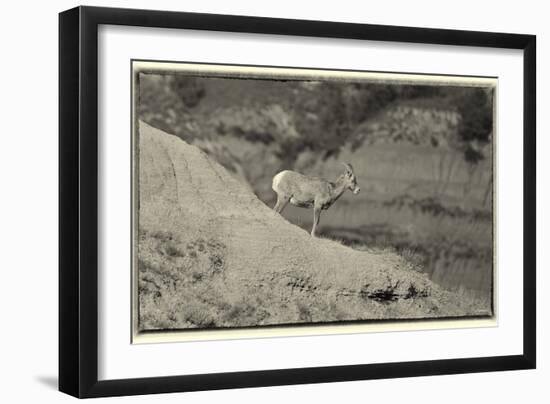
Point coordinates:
[(78, 201)]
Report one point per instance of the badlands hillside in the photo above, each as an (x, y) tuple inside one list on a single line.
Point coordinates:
[(212, 255)]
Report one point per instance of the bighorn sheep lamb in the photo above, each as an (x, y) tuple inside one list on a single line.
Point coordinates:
[(308, 192)]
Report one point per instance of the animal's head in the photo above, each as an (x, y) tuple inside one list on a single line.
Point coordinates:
[(351, 180)]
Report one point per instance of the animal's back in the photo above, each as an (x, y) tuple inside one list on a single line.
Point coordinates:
[(290, 182), (286, 179)]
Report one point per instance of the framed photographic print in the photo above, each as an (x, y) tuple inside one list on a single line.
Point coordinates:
[(249, 201)]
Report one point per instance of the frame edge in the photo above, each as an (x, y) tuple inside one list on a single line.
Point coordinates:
[(529, 201), (69, 364)]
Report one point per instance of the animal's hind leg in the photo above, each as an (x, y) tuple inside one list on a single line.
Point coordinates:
[(316, 216), (282, 201)]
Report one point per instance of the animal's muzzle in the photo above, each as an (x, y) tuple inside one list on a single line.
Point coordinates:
[(356, 190)]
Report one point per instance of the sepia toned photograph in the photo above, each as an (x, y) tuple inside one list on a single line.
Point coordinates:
[(280, 197)]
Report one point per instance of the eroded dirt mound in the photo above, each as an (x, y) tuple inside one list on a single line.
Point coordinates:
[(211, 254)]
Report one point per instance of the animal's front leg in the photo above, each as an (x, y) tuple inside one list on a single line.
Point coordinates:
[(316, 216)]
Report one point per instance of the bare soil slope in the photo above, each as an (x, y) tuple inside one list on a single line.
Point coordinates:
[(211, 254)]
